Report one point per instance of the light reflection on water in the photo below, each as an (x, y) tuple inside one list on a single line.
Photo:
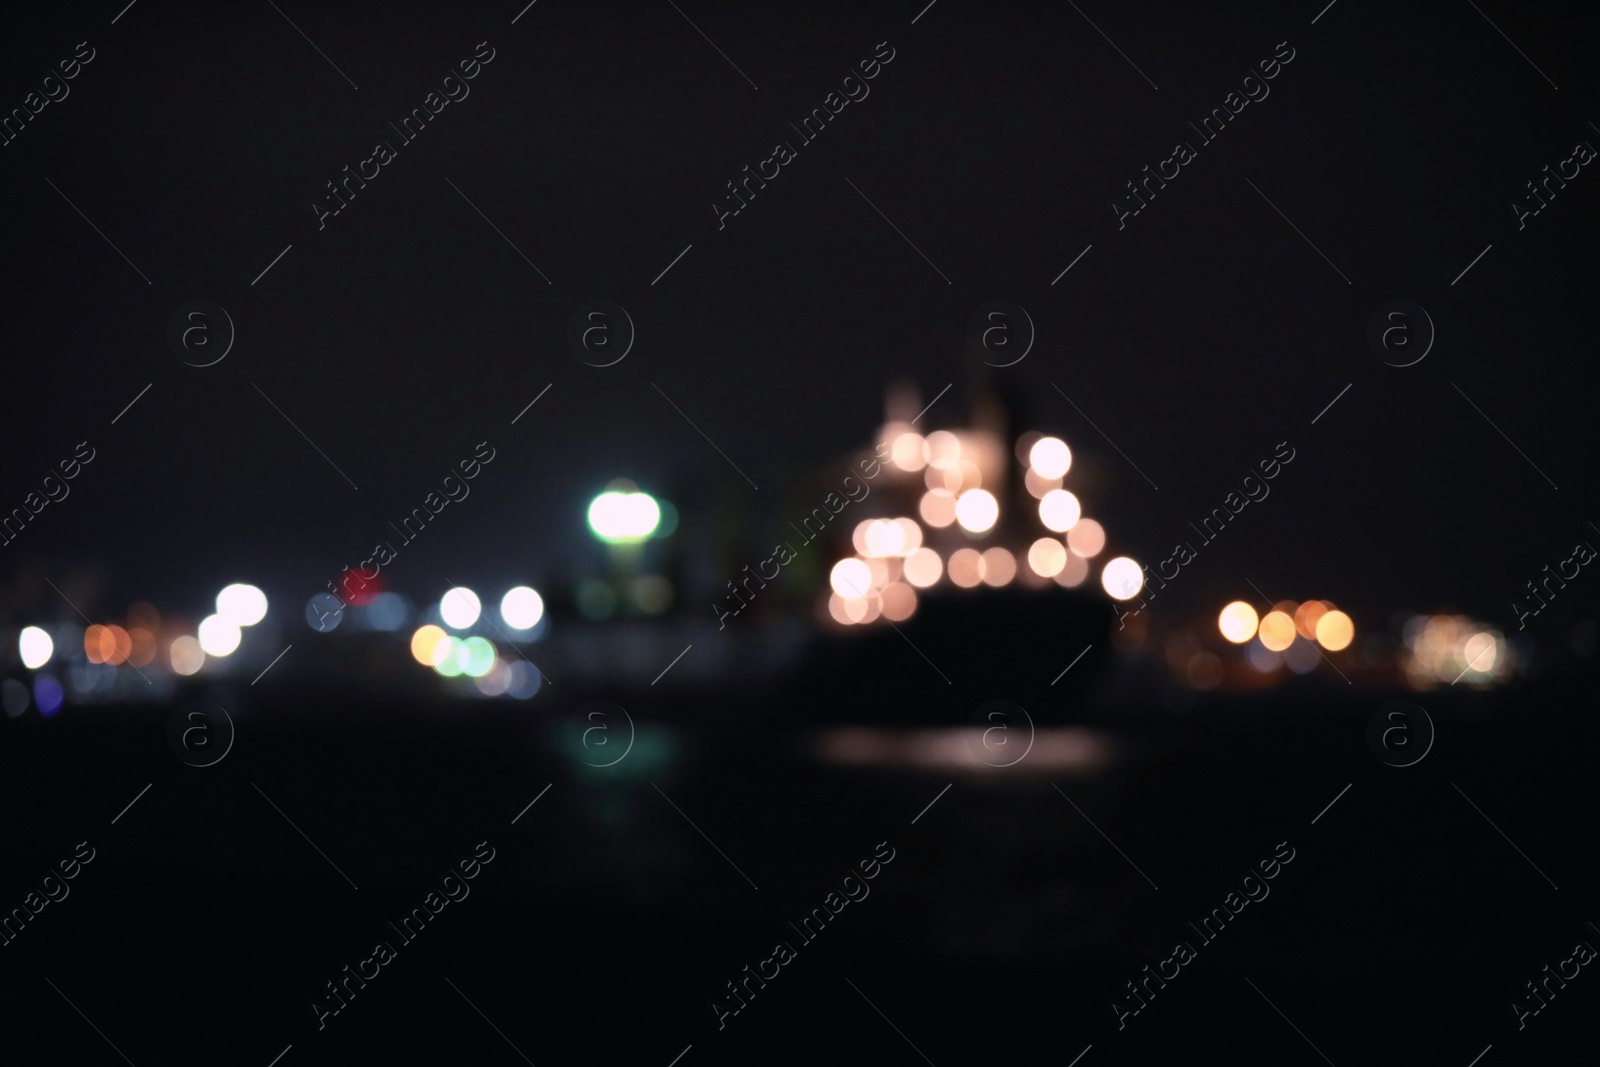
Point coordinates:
[(958, 749)]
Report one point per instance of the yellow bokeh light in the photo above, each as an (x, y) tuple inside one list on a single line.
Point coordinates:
[(1238, 622), (1335, 631), (1047, 557), (423, 642), (1306, 616), (1276, 631)]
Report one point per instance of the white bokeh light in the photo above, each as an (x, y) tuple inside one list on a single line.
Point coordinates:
[(851, 579), (218, 636), (977, 510), (521, 608), (624, 517), (242, 605), (460, 608), (1122, 579), (1059, 510), (1050, 457), (35, 647)]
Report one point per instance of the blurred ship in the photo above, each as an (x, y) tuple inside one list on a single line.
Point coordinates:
[(969, 573)]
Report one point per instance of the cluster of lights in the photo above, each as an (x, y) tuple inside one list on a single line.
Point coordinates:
[(136, 642), (1453, 648), (1289, 633), (1314, 620), (960, 472), (219, 634), (865, 589), (476, 657)]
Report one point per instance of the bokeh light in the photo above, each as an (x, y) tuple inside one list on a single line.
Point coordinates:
[(525, 681), (965, 567), (186, 655), (624, 518), (1302, 657), (851, 578), (977, 510), (242, 605), (107, 644), (899, 601), (424, 641), (1479, 652), (324, 613), (837, 610), (1037, 486), (497, 681), (652, 593), (460, 608), (47, 694), (907, 452), (387, 612), (1059, 510), (522, 608), (1262, 658), (1276, 631), (1335, 631), (923, 568), (883, 537), (1306, 616), (1087, 538), (35, 647), (1073, 572), (1047, 556), (1050, 457), (1238, 622), (218, 636), (938, 508), (477, 657), (910, 536), (943, 449), (449, 656), (1122, 578), (999, 566), (143, 651)]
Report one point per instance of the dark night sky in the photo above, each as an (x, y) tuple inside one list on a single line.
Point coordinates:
[(1198, 337)]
